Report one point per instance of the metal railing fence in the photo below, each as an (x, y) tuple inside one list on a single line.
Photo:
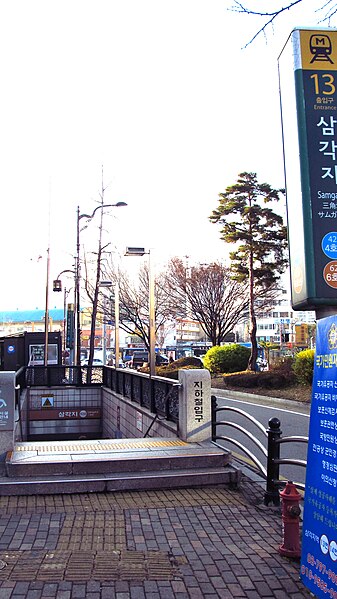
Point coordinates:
[(157, 394), (271, 451)]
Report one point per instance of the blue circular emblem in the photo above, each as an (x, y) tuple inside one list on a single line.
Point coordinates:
[(11, 349), (329, 245)]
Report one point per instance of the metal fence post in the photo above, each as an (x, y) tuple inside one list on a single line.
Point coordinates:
[(273, 469), (153, 407), (214, 405)]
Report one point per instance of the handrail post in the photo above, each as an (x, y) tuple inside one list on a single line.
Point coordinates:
[(273, 469), (153, 408), (214, 405)]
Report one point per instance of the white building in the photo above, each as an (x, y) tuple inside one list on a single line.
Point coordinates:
[(278, 325)]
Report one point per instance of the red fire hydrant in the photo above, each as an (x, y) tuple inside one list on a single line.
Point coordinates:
[(290, 521)]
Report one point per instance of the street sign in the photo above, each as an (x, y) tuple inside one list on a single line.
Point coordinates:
[(308, 80), (70, 326), (47, 401)]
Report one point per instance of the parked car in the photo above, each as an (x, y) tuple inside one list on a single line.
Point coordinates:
[(142, 357), (95, 362)]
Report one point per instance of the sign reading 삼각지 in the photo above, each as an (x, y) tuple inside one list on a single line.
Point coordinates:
[(308, 82)]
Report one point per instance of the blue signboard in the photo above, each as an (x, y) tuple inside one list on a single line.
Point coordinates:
[(329, 245), (70, 326), (319, 538)]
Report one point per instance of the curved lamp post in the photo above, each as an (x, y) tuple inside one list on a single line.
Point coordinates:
[(89, 217)]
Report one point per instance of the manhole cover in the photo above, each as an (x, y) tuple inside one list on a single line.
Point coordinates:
[(2, 564)]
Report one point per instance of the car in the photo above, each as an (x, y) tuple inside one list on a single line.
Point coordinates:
[(95, 362), (142, 357)]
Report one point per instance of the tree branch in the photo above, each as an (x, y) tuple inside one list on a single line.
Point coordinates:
[(329, 5)]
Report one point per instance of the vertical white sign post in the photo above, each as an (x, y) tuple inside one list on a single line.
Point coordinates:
[(195, 405)]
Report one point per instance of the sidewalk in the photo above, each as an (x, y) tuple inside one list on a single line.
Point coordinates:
[(204, 543)]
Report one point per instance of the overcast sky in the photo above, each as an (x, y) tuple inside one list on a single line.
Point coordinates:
[(161, 94)]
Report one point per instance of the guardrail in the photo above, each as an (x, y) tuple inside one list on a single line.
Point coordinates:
[(157, 394), (271, 451)]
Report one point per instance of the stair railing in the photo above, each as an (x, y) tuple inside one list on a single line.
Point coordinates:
[(274, 439)]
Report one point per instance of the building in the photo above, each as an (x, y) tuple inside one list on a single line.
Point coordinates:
[(19, 321), (280, 323), (188, 330)]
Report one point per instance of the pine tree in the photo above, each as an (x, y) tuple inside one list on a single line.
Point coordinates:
[(260, 239)]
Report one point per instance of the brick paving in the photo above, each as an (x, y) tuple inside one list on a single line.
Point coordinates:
[(204, 543)]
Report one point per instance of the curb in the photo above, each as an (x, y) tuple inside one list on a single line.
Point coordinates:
[(251, 397)]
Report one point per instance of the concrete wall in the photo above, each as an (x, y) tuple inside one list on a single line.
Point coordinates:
[(120, 416), (124, 418)]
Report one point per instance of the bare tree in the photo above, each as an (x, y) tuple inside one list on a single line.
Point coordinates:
[(206, 293), (326, 9), (210, 295), (134, 303), (92, 289)]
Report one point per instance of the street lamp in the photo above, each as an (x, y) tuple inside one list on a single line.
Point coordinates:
[(57, 286), (89, 217), (138, 251)]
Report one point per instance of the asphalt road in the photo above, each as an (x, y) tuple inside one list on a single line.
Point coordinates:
[(294, 418)]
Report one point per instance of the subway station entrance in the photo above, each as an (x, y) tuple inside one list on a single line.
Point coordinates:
[(121, 431)]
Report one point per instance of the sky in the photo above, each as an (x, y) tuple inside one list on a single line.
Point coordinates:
[(159, 94)]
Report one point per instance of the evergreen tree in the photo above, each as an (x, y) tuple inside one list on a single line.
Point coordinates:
[(259, 236)]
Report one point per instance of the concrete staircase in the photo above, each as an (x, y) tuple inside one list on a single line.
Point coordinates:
[(39, 468)]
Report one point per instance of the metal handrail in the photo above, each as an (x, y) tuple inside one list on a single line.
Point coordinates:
[(245, 432), (245, 414), (248, 434), (272, 452), (254, 459)]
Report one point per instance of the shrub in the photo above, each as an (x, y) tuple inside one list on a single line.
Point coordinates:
[(263, 380), (187, 361), (304, 366), (283, 364), (227, 358), (171, 370), (172, 373)]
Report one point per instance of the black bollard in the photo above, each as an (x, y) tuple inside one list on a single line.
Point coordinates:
[(273, 469)]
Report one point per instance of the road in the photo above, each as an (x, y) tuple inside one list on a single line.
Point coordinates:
[(294, 418)]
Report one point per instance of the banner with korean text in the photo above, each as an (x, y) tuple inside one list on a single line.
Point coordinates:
[(319, 535)]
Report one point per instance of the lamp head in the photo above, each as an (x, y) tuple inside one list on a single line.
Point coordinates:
[(134, 251), (57, 285)]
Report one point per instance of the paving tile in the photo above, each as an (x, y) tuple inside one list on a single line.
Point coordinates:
[(144, 545)]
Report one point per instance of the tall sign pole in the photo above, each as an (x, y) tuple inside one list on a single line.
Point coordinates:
[(308, 82)]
